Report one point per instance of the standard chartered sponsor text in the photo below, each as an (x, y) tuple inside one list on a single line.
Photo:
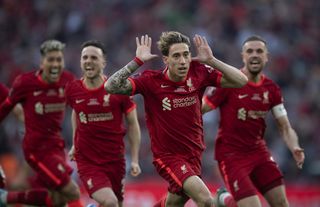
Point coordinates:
[(184, 102), (100, 117), (54, 107)]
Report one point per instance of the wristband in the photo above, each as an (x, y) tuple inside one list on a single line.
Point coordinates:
[(138, 61)]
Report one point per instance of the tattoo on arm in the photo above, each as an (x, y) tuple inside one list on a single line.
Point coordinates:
[(118, 83)]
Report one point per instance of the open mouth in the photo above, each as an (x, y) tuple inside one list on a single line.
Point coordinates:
[(255, 62), (89, 68), (183, 70), (54, 73)]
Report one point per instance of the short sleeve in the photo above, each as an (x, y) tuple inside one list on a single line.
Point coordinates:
[(214, 98)]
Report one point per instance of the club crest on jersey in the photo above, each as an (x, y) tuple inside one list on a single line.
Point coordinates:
[(106, 100), (184, 169), (61, 92), (190, 85), (265, 97)]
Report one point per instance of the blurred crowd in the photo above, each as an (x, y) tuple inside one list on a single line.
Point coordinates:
[(291, 28)]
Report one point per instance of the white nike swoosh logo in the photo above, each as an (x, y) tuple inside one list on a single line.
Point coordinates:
[(242, 96), (37, 93), (79, 101), (164, 86)]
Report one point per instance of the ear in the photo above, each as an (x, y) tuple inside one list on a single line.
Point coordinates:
[(165, 59)]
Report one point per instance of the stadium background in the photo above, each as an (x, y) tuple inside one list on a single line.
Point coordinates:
[(291, 28)]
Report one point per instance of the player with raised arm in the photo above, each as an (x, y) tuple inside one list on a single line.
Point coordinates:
[(244, 160), (172, 99)]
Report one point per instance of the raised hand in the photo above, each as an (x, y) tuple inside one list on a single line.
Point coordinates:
[(298, 155), (204, 52), (143, 51)]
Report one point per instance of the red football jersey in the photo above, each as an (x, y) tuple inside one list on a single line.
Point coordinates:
[(43, 105), (4, 91), (99, 118), (172, 109), (243, 111)]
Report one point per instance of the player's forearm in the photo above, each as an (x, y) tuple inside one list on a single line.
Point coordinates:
[(232, 76), (134, 137), (290, 138), (118, 83), (73, 125)]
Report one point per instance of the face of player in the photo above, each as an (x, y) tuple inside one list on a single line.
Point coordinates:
[(92, 62), (178, 61), (254, 56), (52, 65)]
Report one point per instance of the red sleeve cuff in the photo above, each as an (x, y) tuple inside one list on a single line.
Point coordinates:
[(134, 106), (209, 103), (133, 86)]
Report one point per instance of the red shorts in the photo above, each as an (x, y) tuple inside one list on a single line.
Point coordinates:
[(95, 177), (176, 170), (51, 169), (244, 175)]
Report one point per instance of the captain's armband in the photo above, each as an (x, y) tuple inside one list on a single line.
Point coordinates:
[(279, 111)]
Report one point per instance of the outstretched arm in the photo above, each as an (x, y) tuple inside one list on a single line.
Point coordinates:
[(291, 139), (232, 77), (118, 83)]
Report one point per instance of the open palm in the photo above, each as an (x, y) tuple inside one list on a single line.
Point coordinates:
[(204, 52), (143, 51)]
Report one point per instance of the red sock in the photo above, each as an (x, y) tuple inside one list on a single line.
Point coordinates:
[(161, 203), (37, 197), (229, 201), (75, 203)]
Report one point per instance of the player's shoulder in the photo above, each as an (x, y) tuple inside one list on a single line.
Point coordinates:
[(197, 68), (269, 82), (152, 72), (26, 79), (148, 74), (73, 84), (197, 65), (67, 75)]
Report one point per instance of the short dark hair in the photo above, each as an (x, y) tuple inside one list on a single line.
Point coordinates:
[(254, 38), (51, 45), (169, 38), (94, 43)]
